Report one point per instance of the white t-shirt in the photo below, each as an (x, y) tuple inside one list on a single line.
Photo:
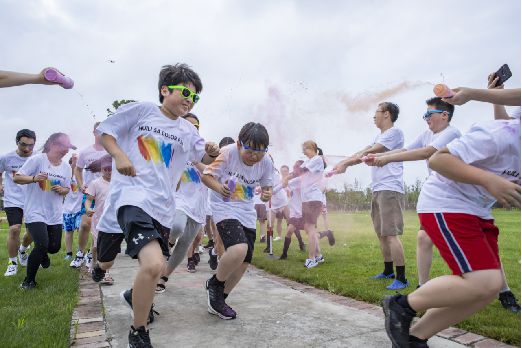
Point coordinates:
[(436, 140), (86, 157), (192, 195), (493, 146), (279, 197), (312, 180), (14, 194), (158, 148), (73, 201), (99, 189), (295, 203), (41, 204), (241, 204), (515, 113), (389, 177)]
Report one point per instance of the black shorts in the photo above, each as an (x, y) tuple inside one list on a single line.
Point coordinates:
[(14, 215), (108, 246), (232, 233), (140, 229)]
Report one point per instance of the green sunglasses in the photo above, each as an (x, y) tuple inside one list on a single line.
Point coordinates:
[(186, 92)]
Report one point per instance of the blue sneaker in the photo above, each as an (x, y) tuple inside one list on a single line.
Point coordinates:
[(383, 276), (397, 285)]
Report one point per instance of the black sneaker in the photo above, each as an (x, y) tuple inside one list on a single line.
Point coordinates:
[(126, 297), (302, 247), (397, 321), (417, 344), (191, 266), (209, 245), (139, 338), (196, 258), (263, 239), (216, 301), (509, 301), (330, 236), (283, 257), (46, 262), (28, 285), (97, 274), (212, 261)]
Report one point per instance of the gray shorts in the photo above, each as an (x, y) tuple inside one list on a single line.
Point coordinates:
[(387, 207)]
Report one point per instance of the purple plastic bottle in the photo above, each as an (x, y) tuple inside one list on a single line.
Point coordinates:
[(53, 75), (232, 187)]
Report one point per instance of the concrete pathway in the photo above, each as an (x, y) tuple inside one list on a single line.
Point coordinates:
[(271, 313)]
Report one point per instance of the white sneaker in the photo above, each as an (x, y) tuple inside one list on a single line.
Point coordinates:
[(77, 262), (277, 238), (23, 257), (310, 263), (12, 269), (319, 259), (88, 262)]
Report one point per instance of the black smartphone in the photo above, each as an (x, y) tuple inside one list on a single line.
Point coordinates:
[(503, 75)]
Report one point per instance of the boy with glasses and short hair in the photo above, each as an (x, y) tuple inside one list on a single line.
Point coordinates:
[(150, 147), (233, 177), (14, 196)]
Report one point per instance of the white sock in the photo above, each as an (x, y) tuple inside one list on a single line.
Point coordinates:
[(22, 248), (214, 252), (506, 289), (13, 259)]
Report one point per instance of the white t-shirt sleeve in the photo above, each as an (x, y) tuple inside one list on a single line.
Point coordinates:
[(198, 149), (81, 163), (416, 144), (120, 123), (444, 139), (476, 145), (217, 167), (30, 166), (314, 165), (267, 179), (391, 139)]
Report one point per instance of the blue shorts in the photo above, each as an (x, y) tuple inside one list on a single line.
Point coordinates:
[(82, 211), (72, 221)]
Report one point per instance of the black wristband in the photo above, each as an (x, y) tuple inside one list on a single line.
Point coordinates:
[(33, 178), (212, 156)]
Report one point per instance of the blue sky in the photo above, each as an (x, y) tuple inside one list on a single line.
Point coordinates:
[(287, 64)]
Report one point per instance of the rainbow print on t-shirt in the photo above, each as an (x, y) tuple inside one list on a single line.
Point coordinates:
[(191, 175), (243, 192), (47, 184), (154, 150)]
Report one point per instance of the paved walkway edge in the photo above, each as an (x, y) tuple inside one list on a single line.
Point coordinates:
[(89, 327)]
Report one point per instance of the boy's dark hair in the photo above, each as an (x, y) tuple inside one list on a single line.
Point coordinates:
[(191, 115), (392, 108), (99, 164), (254, 135), (439, 104), (178, 74), (226, 141), (25, 133)]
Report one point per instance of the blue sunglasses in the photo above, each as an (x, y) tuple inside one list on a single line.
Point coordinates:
[(428, 113), (246, 147)]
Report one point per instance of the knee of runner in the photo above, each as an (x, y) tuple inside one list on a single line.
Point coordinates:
[(153, 267), (488, 286), (423, 240), (15, 229), (239, 250)]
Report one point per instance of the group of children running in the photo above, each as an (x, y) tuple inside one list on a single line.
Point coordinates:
[(150, 179)]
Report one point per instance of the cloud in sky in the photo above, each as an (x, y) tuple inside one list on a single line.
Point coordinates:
[(309, 70)]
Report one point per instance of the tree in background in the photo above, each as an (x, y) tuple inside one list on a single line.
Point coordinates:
[(116, 104)]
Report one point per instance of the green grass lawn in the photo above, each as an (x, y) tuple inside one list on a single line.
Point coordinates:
[(39, 317), (356, 256)]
